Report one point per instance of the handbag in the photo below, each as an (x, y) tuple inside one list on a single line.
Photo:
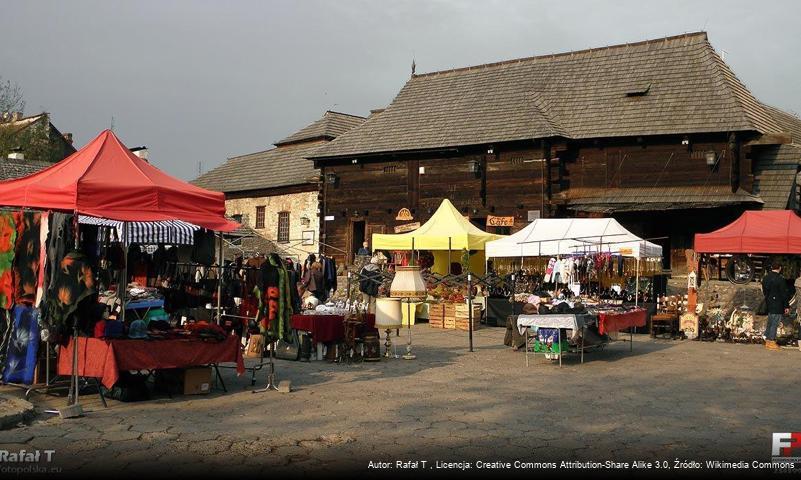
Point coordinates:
[(288, 350)]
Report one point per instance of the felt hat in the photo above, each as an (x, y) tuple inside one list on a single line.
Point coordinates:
[(138, 329)]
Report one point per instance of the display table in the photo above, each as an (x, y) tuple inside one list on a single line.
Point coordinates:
[(326, 328), (613, 322), (104, 359)]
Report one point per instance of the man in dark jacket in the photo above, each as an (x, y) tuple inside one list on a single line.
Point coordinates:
[(777, 300)]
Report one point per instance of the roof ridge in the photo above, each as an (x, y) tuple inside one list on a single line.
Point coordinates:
[(343, 113), (563, 54)]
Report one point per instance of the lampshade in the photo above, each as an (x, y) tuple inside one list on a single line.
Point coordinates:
[(388, 313), (408, 283)]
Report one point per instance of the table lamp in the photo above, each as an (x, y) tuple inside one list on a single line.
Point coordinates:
[(388, 317), (410, 285)]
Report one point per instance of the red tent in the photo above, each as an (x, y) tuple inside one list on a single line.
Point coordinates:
[(104, 179), (763, 231)]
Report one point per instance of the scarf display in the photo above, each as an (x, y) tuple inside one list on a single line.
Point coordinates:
[(27, 256), (72, 281), (44, 230), (8, 238), (22, 347)]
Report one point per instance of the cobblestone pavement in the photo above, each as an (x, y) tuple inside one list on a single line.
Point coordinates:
[(663, 400)]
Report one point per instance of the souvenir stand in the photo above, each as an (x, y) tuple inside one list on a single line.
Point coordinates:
[(104, 180), (449, 235), (764, 232), (573, 255)]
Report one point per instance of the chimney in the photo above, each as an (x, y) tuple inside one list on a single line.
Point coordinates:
[(68, 138), (140, 152)]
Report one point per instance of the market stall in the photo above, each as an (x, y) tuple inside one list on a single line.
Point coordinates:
[(60, 231), (447, 233), (745, 242), (587, 269)]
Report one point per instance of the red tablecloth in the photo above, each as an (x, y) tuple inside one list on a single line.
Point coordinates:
[(104, 359), (613, 322), (325, 328)]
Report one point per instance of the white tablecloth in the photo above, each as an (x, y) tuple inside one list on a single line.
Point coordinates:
[(571, 321)]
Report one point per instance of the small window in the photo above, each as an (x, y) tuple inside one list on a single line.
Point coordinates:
[(259, 217), (390, 169), (639, 90), (283, 227)]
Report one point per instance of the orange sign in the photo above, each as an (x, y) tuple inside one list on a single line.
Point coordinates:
[(404, 214), (500, 221), (626, 251), (407, 227)]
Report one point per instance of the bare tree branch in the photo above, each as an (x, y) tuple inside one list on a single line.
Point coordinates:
[(11, 98)]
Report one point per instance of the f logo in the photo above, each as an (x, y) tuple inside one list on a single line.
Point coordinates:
[(785, 443)]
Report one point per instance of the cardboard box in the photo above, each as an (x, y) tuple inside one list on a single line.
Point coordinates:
[(197, 381), (255, 346)]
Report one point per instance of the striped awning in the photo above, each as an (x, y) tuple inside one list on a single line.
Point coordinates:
[(174, 232)]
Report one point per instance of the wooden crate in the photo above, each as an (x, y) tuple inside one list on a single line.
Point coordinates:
[(436, 315), (462, 320)]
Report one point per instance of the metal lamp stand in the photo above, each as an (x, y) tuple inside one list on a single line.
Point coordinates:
[(409, 355)]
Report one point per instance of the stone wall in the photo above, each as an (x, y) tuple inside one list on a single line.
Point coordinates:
[(299, 205)]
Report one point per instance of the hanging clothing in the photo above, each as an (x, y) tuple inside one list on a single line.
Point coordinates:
[(73, 281), (26, 256), (369, 282), (23, 346), (57, 246), (8, 238), (44, 229), (203, 250)]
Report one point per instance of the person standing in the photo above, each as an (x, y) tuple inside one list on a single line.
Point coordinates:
[(777, 299)]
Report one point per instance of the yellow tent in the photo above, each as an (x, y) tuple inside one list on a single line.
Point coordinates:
[(447, 229)]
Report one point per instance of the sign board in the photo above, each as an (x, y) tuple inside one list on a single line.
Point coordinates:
[(627, 251), (329, 218), (533, 215), (493, 221), (308, 237), (404, 214), (689, 323), (407, 227)]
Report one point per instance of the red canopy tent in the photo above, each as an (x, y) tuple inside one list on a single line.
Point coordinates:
[(104, 179), (763, 231)]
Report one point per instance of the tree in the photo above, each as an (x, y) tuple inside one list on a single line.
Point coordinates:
[(11, 99)]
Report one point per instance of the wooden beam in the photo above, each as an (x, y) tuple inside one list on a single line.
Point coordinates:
[(771, 139)]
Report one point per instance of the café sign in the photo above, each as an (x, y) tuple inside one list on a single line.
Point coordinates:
[(493, 221)]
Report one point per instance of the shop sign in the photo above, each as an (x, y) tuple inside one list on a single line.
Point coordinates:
[(493, 221), (689, 323), (627, 251), (404, 214), (407, 227), (329, 218)]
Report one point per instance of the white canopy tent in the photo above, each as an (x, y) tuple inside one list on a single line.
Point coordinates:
[(566, 236)]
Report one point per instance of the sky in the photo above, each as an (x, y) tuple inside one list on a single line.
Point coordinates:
[(200, 81)]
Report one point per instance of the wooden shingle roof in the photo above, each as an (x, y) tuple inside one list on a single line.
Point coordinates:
[(283, 166), (332, 125), (775, 170), (657, 198), (675, 85)]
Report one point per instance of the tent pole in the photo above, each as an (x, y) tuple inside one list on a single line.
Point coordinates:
[(449, 256), (122, 286), (219, 275)]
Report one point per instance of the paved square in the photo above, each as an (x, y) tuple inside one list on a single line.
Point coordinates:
[(665, 400)]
